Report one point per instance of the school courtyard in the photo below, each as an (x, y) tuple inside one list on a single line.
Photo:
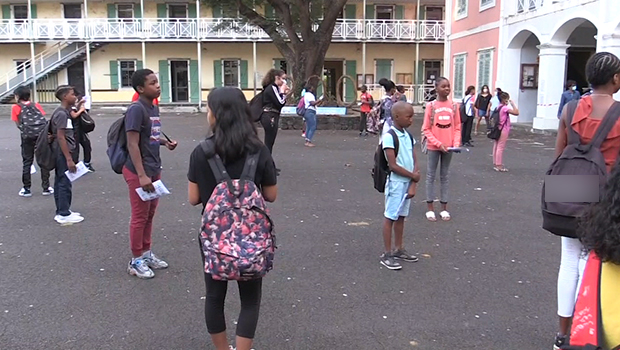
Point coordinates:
[(485, 280)]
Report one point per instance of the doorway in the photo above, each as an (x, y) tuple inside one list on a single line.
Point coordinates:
[(332, 71), (432, 71), (179, 74), (75, 76), (575, 63)]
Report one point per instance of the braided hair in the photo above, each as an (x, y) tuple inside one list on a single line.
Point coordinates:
[(601, 68)]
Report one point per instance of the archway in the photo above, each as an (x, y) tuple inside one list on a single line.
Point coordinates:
[(521, 70)]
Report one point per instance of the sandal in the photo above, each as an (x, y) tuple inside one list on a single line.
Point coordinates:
[(445, 216), (430, 216)]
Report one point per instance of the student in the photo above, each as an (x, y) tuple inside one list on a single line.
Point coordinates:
[(22, 96), (468, 119), (310, 116), (400, 186), (568, 95), (143, 167), (388, 100), (235, 138), (81, 137), (274, 98), (366, 107), (442, 128), (483, 105), (507, 107), (495, 102), (64, 136), (603, 73), (401, 96)]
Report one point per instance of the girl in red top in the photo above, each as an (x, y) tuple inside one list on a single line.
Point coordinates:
[(442, 129), (367, 103)]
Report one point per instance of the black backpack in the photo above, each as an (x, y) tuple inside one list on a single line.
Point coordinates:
[(381, 169), (117, 142), (256, 107), (31, 120), (495, 130), (561, 218), (44, 148)]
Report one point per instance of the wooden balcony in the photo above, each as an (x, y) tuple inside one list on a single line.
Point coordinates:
[(207, 29)]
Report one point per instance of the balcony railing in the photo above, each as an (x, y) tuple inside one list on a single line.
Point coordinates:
[(207, 29)]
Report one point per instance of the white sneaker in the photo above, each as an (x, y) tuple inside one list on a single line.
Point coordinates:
[(140, 269), (71, 219), (25, 192), (153, 261), (49, 191)]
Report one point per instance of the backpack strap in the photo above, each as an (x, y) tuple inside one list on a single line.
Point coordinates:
[(396, 142), (215, 162), (432, 113), (249, 168), (573, 136), (610, 119)]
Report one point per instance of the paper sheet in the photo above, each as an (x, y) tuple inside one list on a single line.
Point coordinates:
[(160, 191), (80, 171), (33, 169)]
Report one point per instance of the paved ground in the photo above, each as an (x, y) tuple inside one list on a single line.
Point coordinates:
[(486, 279)]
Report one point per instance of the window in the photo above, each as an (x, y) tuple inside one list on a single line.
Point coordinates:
[(231, 72), (281, 65), (177, 11), (385, 12), (434, 13), (486, 4), (72, 10), (459, 75), (461, 9), (125, 11), (21, 65), (126, 70), (485, 67), (20, 12)]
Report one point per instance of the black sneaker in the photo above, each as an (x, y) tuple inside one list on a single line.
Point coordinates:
[(25, 192), (560, 340), (90, 167), (389, 262), (402, 254)]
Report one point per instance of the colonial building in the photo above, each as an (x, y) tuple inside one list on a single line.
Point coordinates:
[(97, 45), (536, 46)]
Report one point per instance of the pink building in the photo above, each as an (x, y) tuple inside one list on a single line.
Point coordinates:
[(471, 50)]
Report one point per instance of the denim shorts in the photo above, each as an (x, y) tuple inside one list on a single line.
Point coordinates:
[(396, 203)]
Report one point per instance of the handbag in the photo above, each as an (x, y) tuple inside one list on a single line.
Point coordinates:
[(87, 124)]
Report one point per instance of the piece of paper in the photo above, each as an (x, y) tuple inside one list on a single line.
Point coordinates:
[(33, 169), (80, 170), (160, 191)]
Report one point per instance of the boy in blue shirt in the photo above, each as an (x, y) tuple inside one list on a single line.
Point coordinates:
[(400, 186)]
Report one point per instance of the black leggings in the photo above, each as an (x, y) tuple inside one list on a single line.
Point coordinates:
[(270, 122), (250, 293)]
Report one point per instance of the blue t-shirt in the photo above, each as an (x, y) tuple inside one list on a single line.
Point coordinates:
[(404, 158), (149, 127)]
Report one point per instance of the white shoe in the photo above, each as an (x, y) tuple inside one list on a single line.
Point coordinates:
[(71, 219), (49, 191), (25, 192)]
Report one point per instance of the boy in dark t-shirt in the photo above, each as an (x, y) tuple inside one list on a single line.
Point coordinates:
[(64, 137), (143, 167)]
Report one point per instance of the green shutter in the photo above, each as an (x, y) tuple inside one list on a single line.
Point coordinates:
[(244, 74), (162, 11), (383, 69), (400, 12), (164, 81), (421, 77), (194, 82), (191, 11), (140, 65), (217, 11), (422, 14), (351, 88), (6, 11), (370, 11), (33, 11), (114, 85), (350, 11), (112, 13), (270, 12), (137, 11), (217, 73)]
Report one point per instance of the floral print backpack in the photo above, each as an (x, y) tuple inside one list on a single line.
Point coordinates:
[(237, 233)]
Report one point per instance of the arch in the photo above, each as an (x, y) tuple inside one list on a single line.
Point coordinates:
[(519, 40), (563, 31)]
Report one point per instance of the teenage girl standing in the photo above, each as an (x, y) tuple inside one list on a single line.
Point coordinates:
[(507, 107), (483, 105)]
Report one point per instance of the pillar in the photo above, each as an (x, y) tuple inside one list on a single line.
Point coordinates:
[(551, 73), (609, 43), (254, 67)]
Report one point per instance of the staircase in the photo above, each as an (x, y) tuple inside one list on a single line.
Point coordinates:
[(46, 63)]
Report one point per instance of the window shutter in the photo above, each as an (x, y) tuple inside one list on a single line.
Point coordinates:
[(370, 11), (164, 80), (351, 88), (114, 75), (6, 11), (400, 12), (162, 11), (137, 11), (191, 11), (270, 12), (217, 73), (194, 82), (459, 62), (112, 13), (217, 11), (350, 11), (243, 68), (33, 11), (139, 65)]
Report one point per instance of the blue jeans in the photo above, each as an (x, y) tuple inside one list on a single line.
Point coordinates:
[(62, 186), (310, 117)]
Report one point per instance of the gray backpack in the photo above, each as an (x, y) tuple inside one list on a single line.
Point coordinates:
[(562, 218), (31, 120)]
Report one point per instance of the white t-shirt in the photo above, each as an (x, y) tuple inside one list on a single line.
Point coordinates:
[(309, 97), (469, 107)]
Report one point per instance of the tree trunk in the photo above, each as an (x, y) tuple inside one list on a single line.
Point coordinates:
[(307, 60)]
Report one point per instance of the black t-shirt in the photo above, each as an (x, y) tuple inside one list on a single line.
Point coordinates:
[(483, 102), (61, 119), (200, 171), (149, 127)]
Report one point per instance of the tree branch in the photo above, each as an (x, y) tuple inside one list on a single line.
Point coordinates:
[(326, 28), (284, 11), (270, 27), (304, 19)]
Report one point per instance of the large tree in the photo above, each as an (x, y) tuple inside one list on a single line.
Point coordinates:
[(301, 30)]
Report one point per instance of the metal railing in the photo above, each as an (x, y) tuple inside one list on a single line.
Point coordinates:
[(416, 93), (207, 29)]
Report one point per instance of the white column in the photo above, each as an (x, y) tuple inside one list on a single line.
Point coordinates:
[(552, 69), (364, 42), (609, 43), (447, 49), (254, 65), (144, 55), (144, 65), (199, 51), (33, 68), (87, 74)]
